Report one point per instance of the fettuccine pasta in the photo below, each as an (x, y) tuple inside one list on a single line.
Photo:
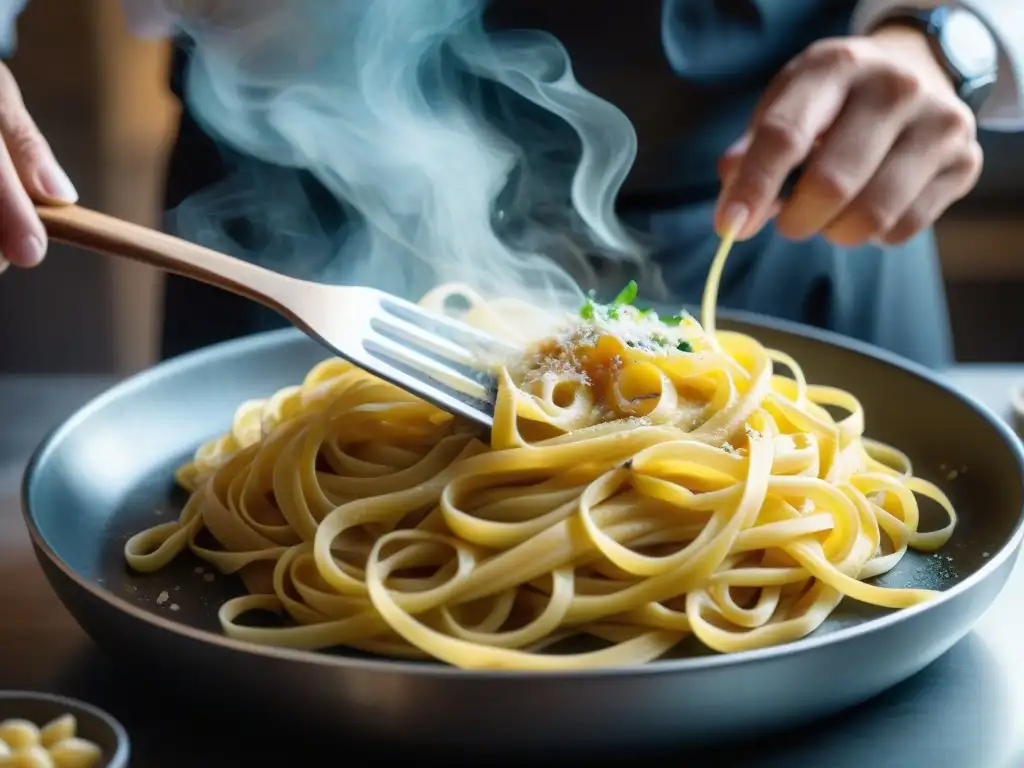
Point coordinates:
[(645, 481)]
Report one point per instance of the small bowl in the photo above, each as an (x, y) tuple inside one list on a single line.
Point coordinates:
[(1017, 404), (93, 724)]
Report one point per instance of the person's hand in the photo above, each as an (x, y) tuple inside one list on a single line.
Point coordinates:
[(28, 171), (885, 143)]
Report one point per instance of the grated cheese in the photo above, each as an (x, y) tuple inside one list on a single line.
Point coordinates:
[(558, 355)]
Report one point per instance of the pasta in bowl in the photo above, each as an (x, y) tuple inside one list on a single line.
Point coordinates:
[(647, 479)]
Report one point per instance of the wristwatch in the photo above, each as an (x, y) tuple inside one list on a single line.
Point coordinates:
[(962, 44)]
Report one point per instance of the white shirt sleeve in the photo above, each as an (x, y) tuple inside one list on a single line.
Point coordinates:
[(1004, 109), (146, 18), (9, 10)]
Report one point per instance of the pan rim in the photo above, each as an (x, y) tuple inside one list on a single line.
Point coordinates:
[(807, 644)]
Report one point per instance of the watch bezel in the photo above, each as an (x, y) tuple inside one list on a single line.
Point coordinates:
[(973, 88)]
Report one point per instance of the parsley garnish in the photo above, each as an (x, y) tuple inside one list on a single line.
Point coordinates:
[(593, 310), (677, 320), (627, 295)]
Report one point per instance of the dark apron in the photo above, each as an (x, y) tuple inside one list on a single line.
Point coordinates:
[(689, 98)]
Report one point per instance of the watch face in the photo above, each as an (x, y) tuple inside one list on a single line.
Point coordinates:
[(968, 44)]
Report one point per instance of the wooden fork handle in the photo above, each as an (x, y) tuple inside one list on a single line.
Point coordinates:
[(97, 232)]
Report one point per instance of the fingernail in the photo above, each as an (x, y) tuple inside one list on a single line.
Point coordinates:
[(734, 217), (739, 145), (27, 253), (57, 184)]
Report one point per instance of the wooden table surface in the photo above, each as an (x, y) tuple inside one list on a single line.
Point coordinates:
[(945, 716)]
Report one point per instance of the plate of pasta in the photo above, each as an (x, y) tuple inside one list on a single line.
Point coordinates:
[(676, 528)]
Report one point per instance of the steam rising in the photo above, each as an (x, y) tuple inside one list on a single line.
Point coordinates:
[(455, 155)]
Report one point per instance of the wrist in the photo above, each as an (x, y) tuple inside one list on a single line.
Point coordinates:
[(946, 39), (913, 47)]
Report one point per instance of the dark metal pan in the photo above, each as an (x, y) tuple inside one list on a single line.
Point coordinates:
[(107, 473)]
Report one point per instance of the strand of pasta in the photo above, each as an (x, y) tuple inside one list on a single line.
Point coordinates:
[(376, 522)]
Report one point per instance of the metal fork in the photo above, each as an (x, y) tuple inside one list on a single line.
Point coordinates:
[(434, 357)]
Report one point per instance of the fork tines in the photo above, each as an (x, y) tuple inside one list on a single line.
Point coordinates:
[(443, 360)]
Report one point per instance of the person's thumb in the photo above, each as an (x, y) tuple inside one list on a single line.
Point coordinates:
[(28, 171), (44, 179)]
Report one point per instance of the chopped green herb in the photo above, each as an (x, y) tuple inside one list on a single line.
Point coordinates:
[(684, 346), (627, 295), (677, 319), (594, 310)]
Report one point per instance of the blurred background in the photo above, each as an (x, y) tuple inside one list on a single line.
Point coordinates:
[(101, 98)]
